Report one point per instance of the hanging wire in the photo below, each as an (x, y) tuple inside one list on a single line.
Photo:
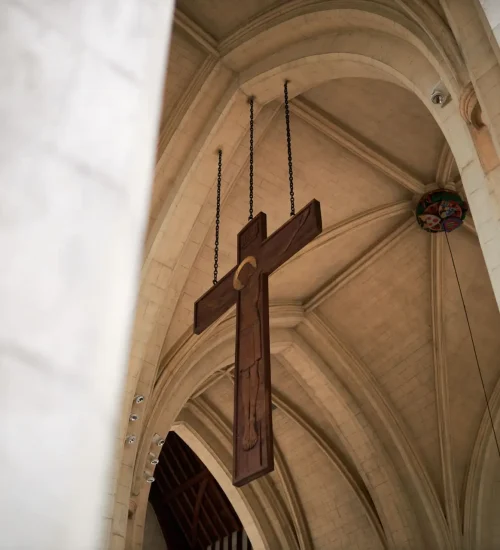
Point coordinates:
[(250, 201), (289, 146), (473, 346), (217, 219)]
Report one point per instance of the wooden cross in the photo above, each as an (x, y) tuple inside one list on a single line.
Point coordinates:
[(246, 285)]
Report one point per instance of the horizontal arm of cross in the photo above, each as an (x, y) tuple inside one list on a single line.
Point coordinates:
[(291, 237), (272, 252), (214, 302)]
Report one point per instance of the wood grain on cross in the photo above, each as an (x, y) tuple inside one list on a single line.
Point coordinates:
[(246, 285)]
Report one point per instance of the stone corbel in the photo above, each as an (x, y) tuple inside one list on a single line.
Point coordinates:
[(470, 108), (471, 112), (132, 508)]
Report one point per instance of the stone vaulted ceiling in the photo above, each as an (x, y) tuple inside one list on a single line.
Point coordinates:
[(370, 344)]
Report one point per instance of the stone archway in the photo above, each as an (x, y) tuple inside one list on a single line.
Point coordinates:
[(203, 356), (248, 505), (311, 61)]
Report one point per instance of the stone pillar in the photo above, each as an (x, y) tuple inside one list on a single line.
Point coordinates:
[(477, 158), (80, 95), (482, 59), (471, 112), (492, 11)]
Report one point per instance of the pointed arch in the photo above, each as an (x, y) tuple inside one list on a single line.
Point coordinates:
[(200, 357), (262, 517), (407, 45)]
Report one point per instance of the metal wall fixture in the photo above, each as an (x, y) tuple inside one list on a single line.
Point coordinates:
[(158, 440), (154, 460), (139, 399), (439, 95), (148, 477), (130, 439), (133, 417)]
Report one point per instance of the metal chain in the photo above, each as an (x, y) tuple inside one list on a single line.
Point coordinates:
[(289, 146), (250, 206), (217, 219)]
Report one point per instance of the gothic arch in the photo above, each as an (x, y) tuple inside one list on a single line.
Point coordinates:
[(308, 64), (195, 426), (200, 357), (375, 51)]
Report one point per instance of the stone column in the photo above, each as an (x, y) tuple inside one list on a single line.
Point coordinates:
[(482, 59), (80, 89), (477, 154), (492, 11)]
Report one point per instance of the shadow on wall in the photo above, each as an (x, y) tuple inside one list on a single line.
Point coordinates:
[(153, 536)]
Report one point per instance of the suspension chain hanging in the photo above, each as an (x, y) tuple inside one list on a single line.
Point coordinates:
[(250, 202), (289, 146), (217, 219)]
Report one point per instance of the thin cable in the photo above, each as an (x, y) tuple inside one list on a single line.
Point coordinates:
[(473, 345), (217, 219), (250, 200), (289, 147)]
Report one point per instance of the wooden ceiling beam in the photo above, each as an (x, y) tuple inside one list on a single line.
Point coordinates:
[(182, 476), (215, 517), (190, 491), (187, 493), (197, 506), (162, 482), (187, 460), (185, 485), (179, 446), (186, 512), (184, 496)]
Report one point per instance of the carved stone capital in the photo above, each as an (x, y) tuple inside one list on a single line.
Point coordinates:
[(471, 112), (470, 108)]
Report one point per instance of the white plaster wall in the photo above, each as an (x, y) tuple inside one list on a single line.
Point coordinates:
[(153, 536), (80, 87)]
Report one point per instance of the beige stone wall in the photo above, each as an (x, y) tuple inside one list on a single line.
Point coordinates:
[(367, 322)]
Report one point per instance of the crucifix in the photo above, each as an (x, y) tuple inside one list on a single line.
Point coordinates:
[(246, 285)]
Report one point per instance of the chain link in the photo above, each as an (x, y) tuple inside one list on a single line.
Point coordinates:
[(289, 146), (217, 219), (250, 206)]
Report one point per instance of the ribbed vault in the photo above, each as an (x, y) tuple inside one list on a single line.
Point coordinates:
[(372, 361)]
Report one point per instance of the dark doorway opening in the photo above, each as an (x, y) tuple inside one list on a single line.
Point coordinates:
[(192, 509)]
